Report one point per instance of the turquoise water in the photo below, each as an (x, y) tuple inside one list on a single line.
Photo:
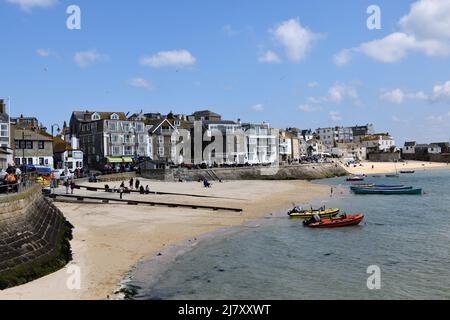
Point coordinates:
[(408, 237)]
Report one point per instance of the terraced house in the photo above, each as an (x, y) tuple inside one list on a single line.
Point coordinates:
[(5, 142), (109, 137)]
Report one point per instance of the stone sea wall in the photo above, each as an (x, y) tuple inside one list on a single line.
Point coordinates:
[(291, 172), (34, 238)]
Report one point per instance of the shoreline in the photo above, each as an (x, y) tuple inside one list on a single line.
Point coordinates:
[(391, 167), (153, 268), (107, 250)]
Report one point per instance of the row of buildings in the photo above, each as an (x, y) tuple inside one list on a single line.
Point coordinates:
[(94, 139)]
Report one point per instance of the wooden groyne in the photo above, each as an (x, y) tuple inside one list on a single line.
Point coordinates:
[(107, 200)]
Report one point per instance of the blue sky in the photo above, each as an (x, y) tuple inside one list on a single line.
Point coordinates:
[(306, 64)]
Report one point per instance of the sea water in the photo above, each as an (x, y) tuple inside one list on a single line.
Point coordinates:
[(406, 236)]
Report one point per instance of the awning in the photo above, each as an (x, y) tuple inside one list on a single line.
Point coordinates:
[(114, 159), (127, 160)]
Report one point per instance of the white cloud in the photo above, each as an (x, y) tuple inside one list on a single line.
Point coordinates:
[(296, 40), (85, 59), (229, 31), (269, 57), (441, 90), (335, 116), (312, 84), (258, 108), (27, 5), (339, 92), (343, 57), (44, 53), (141, 83), (396, 96), (425, 29), (308, 108), (174, 58)]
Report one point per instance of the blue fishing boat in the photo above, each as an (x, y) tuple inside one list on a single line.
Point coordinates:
[(382, 188), (387, 191)]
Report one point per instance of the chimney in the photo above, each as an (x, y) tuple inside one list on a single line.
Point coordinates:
[(2, 106)]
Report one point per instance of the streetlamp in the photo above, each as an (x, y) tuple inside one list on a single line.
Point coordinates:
[(58, 129), (136, 142)]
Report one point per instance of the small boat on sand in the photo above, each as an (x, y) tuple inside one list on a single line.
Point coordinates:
[(344, 221), (308, 214)]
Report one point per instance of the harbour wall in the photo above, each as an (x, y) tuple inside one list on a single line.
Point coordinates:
[(290, 172), (34, 237), (445, 157)]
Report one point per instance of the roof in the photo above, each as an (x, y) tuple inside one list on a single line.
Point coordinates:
[(410, 144), (60, 146), (378, 136), (207, 113), (87, 115), (32, 135), (423, 145), (224, 122)]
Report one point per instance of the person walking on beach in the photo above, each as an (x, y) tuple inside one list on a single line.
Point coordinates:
[(121, 192), (66, 184), (131, 183), (332, 191), (72, 186), (137, 184)]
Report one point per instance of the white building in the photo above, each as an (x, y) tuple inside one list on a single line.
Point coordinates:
[(409, 148), (260, 143), (378, 142)]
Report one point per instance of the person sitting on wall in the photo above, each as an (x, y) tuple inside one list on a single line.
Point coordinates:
[(141, 190), (147, 189)]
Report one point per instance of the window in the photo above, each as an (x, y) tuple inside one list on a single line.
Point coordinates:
[(29, 144), (139, 127), (41, 161), (114, 116), (161, 139), (116, 151), (126, 126), (30, 160), (95, 117), (128, 151), (113, 126), (4, 131), (17, 161), (161, 151), (41, 145)]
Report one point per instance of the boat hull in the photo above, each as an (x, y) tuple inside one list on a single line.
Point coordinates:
[(309, 214), (338, 223), (388, 191)]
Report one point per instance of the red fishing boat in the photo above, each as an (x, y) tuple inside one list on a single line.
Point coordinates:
[(344, 221)]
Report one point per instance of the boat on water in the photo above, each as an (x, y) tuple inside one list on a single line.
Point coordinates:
[(381, 187), (343, 221), (386, 191), (308, 214), (407, 172), (392, 176), (355, 178)]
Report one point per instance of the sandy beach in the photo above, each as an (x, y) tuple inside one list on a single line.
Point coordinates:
[(110, 239), (391, 167)]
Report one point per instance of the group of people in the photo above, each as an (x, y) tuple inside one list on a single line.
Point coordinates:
[(69, 185), (10, 179)]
